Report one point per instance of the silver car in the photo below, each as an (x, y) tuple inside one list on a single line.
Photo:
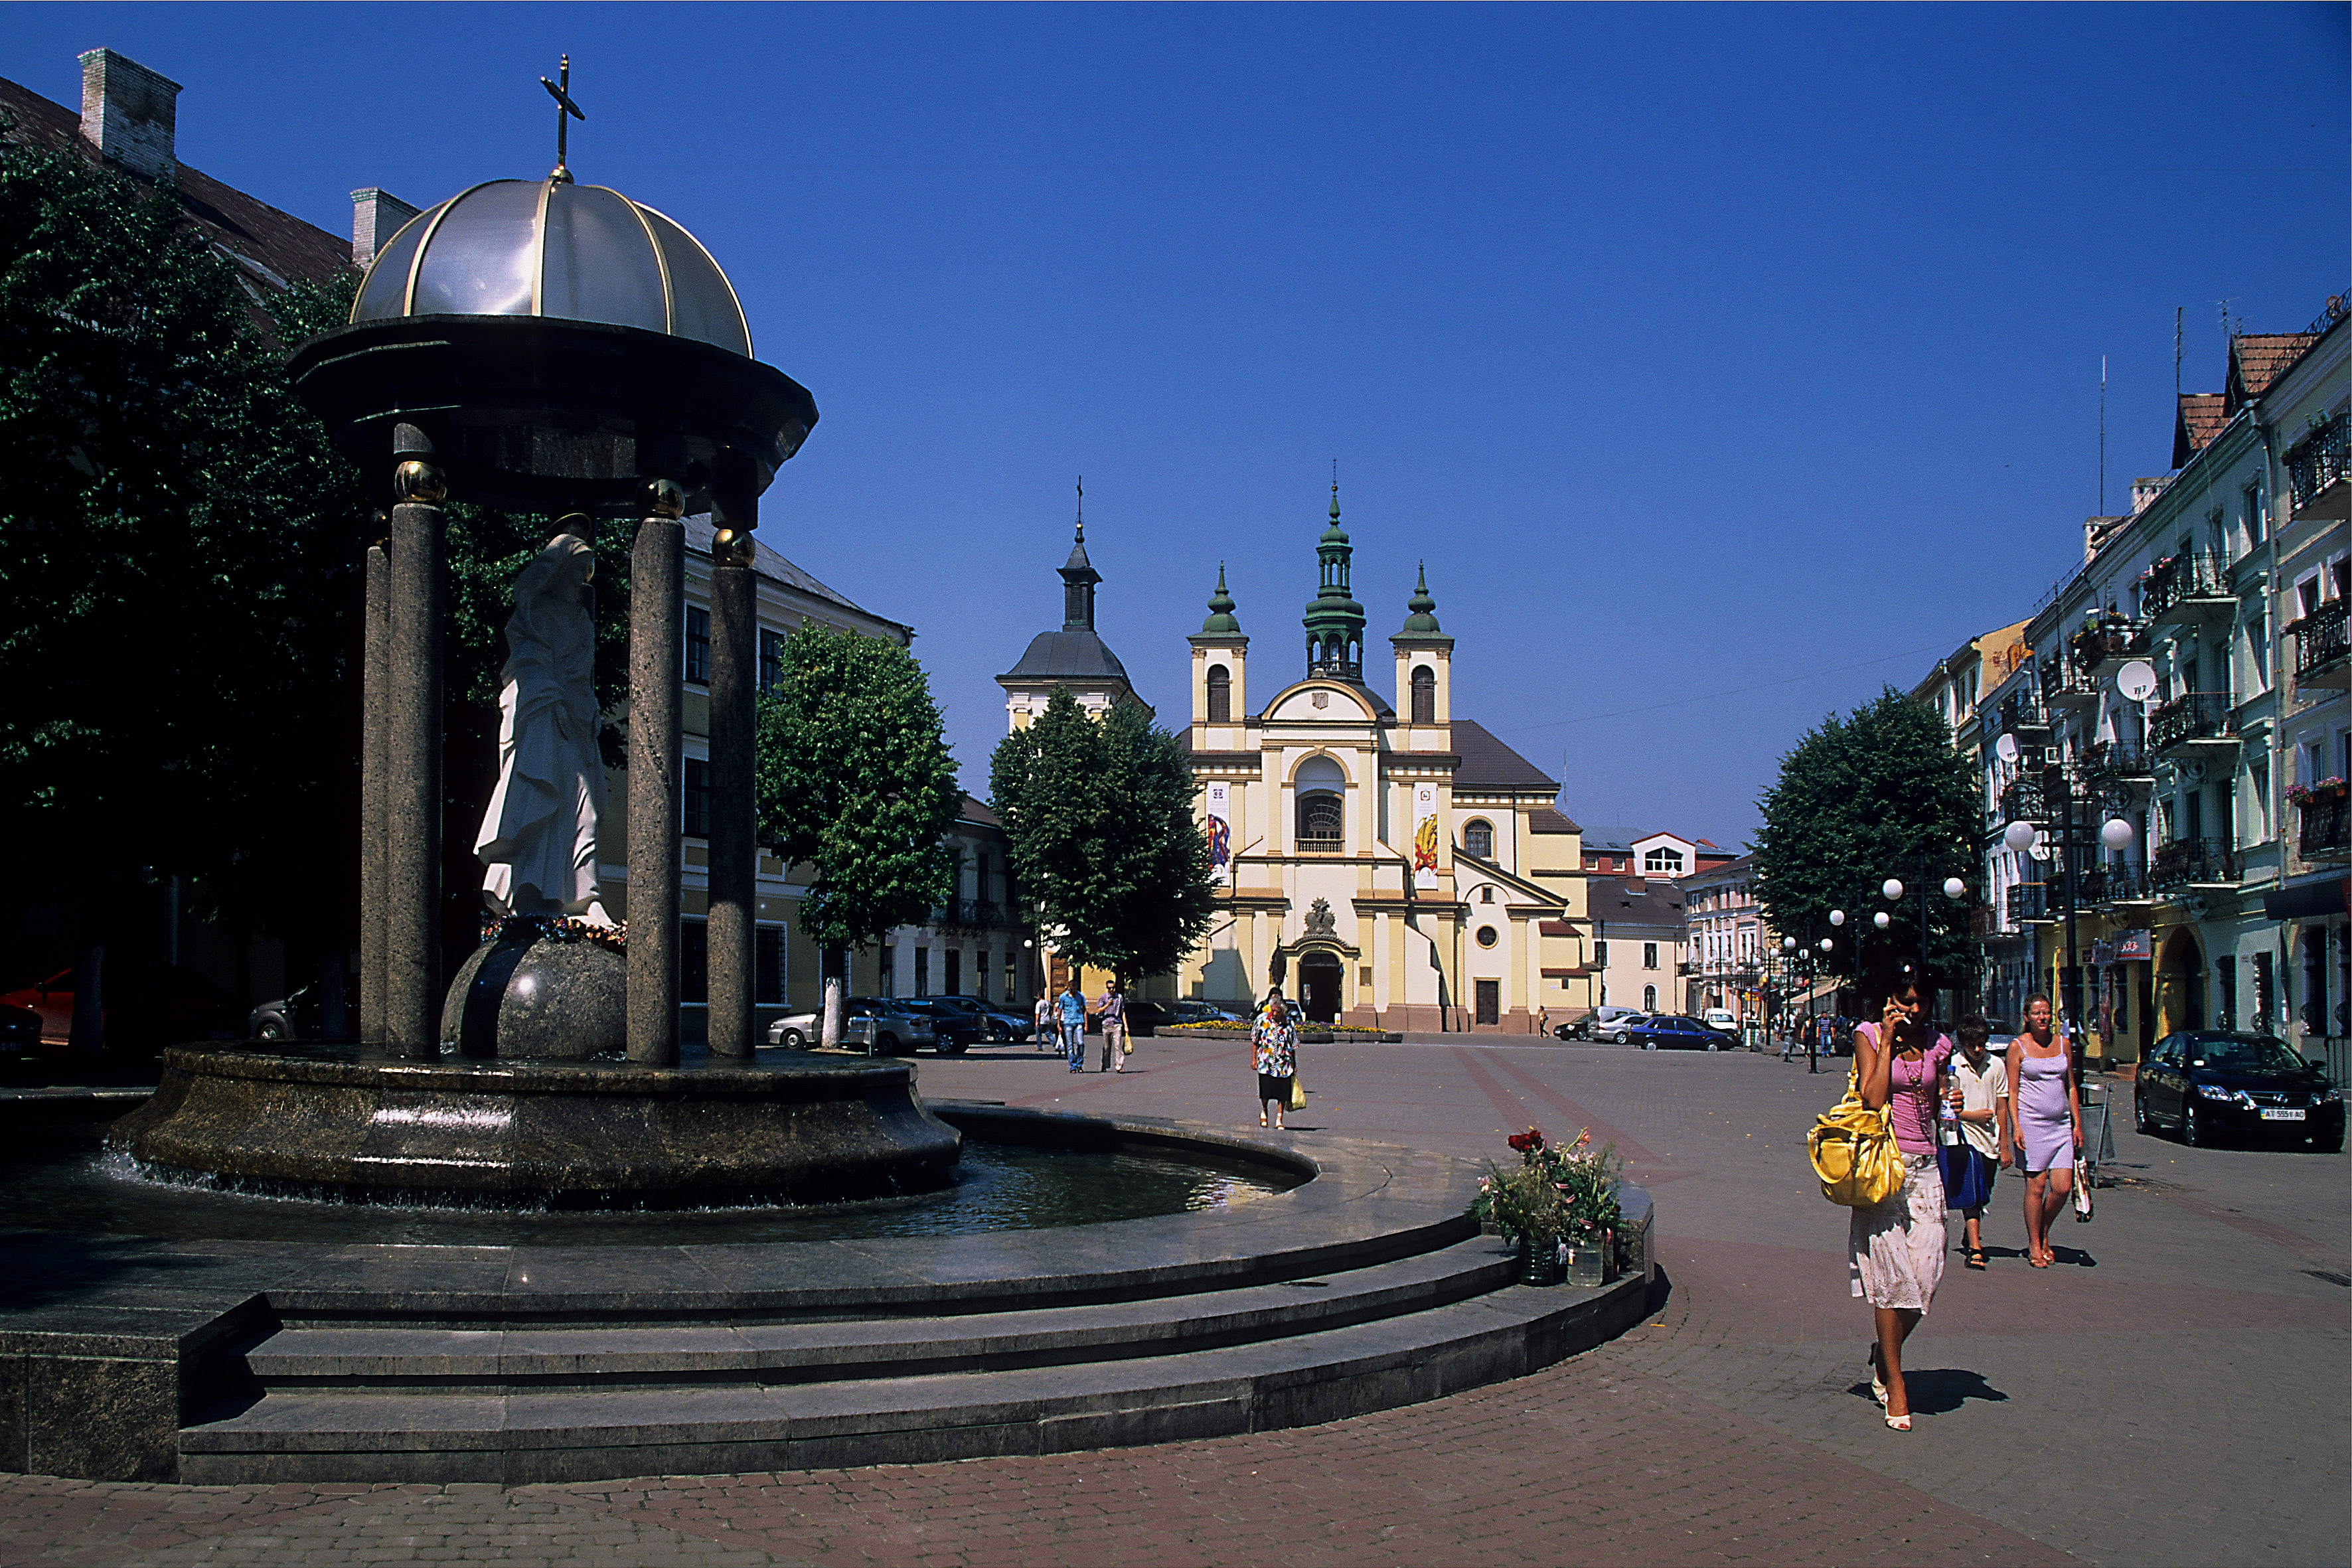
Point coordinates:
[(880, 1026)]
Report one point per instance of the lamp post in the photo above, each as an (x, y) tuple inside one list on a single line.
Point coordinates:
[(1892, 890), (2116, 833)]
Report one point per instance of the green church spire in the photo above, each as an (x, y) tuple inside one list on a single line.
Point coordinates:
[(1221, 621), (1335, 622), (1420, 623)]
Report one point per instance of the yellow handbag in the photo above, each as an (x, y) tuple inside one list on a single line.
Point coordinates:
[(1854, 1152)]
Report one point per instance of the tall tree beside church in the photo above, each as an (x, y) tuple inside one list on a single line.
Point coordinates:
[(855, 781), (1099, 820), (1861, 798)]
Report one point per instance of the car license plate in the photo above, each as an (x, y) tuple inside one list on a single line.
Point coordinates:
[(2283, 1115)]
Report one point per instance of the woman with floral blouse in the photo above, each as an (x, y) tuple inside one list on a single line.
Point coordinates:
[(1277, 1039)]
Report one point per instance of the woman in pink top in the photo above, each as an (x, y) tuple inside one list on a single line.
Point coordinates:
[(1895, 1251)]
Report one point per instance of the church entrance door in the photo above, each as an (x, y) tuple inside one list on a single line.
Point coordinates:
[(1319, 979)]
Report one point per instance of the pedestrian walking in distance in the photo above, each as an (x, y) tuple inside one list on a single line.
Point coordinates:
[(1045, 1018), (1114, 1027), (1276, 1038), (1072, 1009), (1895, 1252), (2046, 1110), (1977, 1092)]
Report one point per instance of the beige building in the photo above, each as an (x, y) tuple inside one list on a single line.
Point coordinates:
[(1403, 868)]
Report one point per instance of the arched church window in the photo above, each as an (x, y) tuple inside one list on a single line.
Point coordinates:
[(1478, 838), (1649, 998), (1221, 694), (1424, 695), (1322, 785)]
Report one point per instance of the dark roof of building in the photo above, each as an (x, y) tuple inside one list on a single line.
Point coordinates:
[(2200, 418), (1545, 819), (276, 247), (1614, 899), (769, 564), (1073, 653), (1488, 763), (978, 810)]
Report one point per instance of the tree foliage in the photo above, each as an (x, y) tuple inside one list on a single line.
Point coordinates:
[(1099, 818), (178, 593), (855, 781), (1859, 799)]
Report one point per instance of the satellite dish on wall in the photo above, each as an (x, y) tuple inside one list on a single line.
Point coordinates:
[(2040, 849), (2136, 680), (2006, 748)]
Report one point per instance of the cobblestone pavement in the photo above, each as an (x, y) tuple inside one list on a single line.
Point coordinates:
[(2173, 1393)]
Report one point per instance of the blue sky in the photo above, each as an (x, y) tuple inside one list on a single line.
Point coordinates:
[(1722, 363)]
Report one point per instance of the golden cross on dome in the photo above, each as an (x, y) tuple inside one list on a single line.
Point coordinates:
[(561, 92)]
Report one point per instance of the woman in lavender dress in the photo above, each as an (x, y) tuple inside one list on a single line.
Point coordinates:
[(1895, 1251), (2047, 1112)]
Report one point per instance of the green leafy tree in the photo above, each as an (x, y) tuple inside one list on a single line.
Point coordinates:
[(178, 593), (1099, 820), (1859, 799), (856, 782)]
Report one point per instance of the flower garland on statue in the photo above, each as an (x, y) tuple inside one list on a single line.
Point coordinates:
[(556, 928)]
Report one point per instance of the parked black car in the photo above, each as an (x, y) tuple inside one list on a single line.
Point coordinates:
[(2207, 1085), (1192, 1012), (296, 1017), (991, 1024), (1143, 1017)]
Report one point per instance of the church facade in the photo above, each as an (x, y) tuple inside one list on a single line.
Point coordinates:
[(1390, 866)]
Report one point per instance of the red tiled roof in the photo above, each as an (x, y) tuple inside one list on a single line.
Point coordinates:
[(1545, 819), (276, 248), (2199, 418), (2258, 359)]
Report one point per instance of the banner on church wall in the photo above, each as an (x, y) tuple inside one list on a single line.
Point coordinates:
[(1424, 838), (1220, 828)]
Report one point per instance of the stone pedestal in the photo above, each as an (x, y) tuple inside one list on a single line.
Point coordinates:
[(657, 632)]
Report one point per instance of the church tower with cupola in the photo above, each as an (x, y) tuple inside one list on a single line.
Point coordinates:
[(1074, 658), (1220, 670), (1425, 674), (1335, 622)]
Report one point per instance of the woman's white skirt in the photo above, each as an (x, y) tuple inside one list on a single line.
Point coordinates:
[(1895, 1252)]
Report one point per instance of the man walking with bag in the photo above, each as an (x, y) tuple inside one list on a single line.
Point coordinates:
[(1114, 1028)]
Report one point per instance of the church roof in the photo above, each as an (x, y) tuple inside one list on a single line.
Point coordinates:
[(1488, 765), (1549, 819), (1073, 653)]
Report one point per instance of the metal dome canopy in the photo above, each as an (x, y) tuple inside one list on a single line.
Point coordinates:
[(551, 248), (559, 343)]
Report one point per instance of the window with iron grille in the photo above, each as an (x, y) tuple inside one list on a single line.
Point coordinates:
[(1478, 838), (1322, 818)]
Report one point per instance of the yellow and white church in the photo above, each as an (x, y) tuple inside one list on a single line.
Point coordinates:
[(1402, 869)]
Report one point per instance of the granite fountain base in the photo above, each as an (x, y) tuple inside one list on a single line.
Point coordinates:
[(346, 1123)]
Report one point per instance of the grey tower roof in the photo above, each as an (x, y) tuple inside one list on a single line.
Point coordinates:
[(1070, 654)]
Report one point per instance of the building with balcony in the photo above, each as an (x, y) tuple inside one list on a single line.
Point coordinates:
[(1727, 942), (1639, 930), (1391, 865), (2208, 594)]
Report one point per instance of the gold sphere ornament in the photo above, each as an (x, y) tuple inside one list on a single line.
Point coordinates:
[(665, 498), (417, 480)]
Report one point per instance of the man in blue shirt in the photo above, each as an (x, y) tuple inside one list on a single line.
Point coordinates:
[(1074, 1023)]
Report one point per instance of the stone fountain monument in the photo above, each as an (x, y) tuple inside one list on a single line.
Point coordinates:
[(555, 347)]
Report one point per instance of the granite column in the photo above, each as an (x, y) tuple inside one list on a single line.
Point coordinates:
[(375, 702), (734, 687), (412, 752), (657, 638)]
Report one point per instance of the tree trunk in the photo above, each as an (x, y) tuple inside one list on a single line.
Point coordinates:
[(829, 1031)]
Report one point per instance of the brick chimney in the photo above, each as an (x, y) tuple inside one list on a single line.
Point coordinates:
[(127, 114), (376, 216)]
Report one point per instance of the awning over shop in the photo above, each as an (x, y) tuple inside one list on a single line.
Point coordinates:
[(2315, 897)]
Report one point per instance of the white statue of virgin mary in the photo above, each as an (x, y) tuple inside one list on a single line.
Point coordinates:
[(538, 837)]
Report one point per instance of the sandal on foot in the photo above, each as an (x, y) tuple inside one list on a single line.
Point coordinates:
[(1899, 1422), (1877, 1389), (1976, 1257)]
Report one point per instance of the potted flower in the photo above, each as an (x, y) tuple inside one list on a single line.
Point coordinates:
[(1560, 1205), (2316, 789)]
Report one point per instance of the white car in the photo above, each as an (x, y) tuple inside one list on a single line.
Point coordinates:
[(1720, 1019)]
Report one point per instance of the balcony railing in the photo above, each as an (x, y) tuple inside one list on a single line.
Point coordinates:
[(2323, 828), (2030, 902), (2190, 586), (2315, 464), (2193, 863), (2022, 802), (2119, 760), (2321, 640), (2063, 686), (2021, 714), (2191, 717), (2105, 639), (1984, 920), (2116, 883), (971, 914)]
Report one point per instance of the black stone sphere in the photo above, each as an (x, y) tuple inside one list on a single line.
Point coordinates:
[(535, 994)]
